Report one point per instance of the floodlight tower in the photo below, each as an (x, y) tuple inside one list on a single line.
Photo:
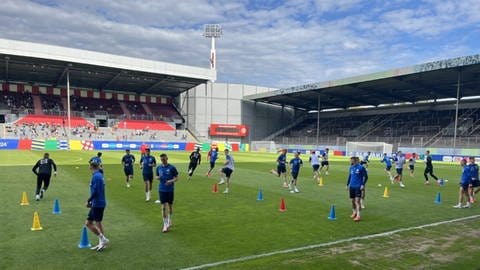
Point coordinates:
[(213, 31)]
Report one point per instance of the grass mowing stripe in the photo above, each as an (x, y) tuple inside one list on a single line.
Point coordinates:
[(291, 250)]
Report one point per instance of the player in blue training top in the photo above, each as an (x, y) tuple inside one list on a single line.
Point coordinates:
[(97, 159), (127, 161), (399, 162), (475, 181), (212, 156), (295, 165), (97, 203), (227, 170), (147, 164), (365, 160), (355, 184), (465, 183), (411, 163), (388, 165), (325, 161), (167, 174), (282, 167)]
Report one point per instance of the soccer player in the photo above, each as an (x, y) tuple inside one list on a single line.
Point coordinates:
[(355, 184), (411, 163), (168, 175), (147, 164), (195, 159), (43, 174), (97, 159), (127, 161), (212, 156), (325, 161), (227, 170), (475, 181), (428, 168), (97, 203), (314, 160), (399, 162), (465, 183), (282, 167), (388, 165), (365, 161), (365, 179), (295, 164)]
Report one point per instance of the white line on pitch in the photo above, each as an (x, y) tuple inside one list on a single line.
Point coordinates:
[(253, 257)]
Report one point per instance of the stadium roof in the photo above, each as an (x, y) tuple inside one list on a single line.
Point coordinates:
[(429, 81), (45, 64)]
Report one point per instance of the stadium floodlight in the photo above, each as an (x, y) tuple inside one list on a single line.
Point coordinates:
[(213, 31)]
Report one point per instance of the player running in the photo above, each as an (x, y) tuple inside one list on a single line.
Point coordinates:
[(428, 168), (475, 181), (411, 164), (295, 165), (127, 161), (282, 167), (44, 174), (355, 184), (212, 156), (325, 161), (315, 161), (147, 164), (365, 160), (195, 159), (399, 162), (388, 165), (227, 170), (465, 183), (97, 159), (167, 174)]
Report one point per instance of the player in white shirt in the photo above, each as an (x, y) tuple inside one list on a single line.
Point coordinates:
[(315, 161)]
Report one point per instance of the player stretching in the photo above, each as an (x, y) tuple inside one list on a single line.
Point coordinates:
[(399, 162), (127, 161), (168, 175), (212, 156), (295, 165), (475, 181), (44, 174), (227, 170), (388, 165), (147, 164), (365, 160), (325, 161), (428, 168), (355, 185), (465, 183), (314, 160), (195, 159), (282, 167), (411, 163)]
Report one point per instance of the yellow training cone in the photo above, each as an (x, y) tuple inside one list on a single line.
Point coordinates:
[(385, 193), (36, 222), (24, 199), (320, 181)]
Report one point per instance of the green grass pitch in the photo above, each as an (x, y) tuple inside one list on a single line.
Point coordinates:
[(210, 227)]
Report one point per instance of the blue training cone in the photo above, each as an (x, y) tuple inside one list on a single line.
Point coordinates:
[(84, 243), (260, 195), (56, 207), (438, 199), (332, 216)]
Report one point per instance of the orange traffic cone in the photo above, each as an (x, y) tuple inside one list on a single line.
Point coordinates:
[(282, 208), (36, 223), (24, 199), (385, 193), (215, 188)]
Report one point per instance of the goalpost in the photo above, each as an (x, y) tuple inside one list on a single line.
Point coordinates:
[(360, 148), (263, 146)]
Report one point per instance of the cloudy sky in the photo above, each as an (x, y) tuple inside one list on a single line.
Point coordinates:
[(267, 43)]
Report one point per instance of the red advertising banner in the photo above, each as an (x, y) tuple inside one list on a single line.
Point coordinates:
[(228, 130)]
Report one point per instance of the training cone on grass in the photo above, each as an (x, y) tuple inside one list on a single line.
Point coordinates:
[(260, 195), (36, 223), (84, 243), (215, 188), (56, 208), (24, 199), (320, 182), (438, 198), (385, 193), (332, 215), (282, 208)]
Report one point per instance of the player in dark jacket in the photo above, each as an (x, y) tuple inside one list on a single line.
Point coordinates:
[(43, 170)]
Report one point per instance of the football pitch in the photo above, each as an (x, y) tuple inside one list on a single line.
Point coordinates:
[(408, 230)]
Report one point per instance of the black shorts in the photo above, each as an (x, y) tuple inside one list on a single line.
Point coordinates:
[(212, 165), (476, 183), (324, 163), (95, 214), (363, 162), (464, 186), (315, 167), (412, 168), (294, 174), (388, 168), (399, 171), (227, 171), (128, 171), (148, 177), (355, 192), (166, 197), (428, 170), (281, 169)]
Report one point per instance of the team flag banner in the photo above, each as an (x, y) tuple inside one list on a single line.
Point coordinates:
[(38, 145)]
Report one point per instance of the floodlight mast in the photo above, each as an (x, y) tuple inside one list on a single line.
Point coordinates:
[(213, 31)]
